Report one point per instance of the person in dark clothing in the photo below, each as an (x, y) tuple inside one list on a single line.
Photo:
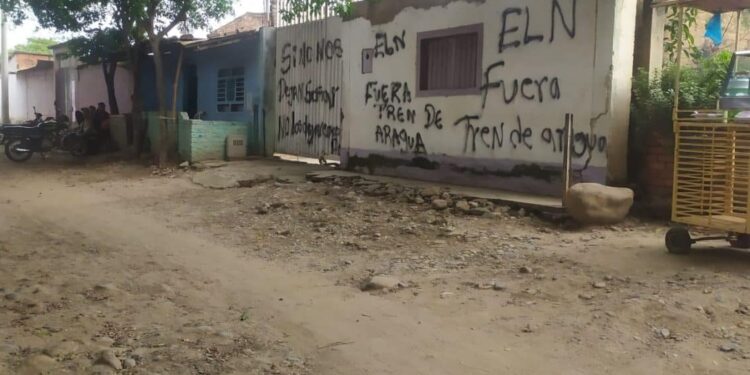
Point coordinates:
[(101, 124), (80, 118)]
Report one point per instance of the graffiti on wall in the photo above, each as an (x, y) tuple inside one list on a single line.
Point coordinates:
[(385, 46), (405, 125), (308, 88)]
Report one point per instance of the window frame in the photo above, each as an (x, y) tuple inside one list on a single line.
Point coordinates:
[(228, 106), (478, 29)]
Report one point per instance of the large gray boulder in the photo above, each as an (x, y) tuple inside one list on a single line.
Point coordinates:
[(596, 204)]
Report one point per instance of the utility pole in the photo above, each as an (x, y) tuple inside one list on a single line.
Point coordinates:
[(4, 68)]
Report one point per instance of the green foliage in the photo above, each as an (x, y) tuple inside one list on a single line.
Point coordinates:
[(700, 87), (672, 29), (68, 15), (299, 9), (36, 45), (15, 10), (195, 14), (105, 45)]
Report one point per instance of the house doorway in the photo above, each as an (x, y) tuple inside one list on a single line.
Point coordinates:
[(191, 91)]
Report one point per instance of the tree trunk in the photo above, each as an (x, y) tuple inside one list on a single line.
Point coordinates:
[(110, 68), (161, 95), (139, 128), (176, 85)]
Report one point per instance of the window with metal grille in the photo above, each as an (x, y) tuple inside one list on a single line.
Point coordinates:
[(230, 94), (449, 61)]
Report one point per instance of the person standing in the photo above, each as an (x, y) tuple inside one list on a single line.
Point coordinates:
[(101, 124)]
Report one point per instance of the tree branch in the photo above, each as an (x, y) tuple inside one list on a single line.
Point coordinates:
[(181, 16)]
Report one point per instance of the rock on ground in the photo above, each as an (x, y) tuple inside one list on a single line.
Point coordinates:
[(439, 204), (107, 357), (62, 349), (38, 364), (382, 282), (128, 363), (463, 206), (596, 204)]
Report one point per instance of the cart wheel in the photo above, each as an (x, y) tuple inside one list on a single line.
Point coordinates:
[(678, 240)]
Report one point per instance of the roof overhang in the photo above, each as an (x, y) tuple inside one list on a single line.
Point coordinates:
[(205, 44), (712, 6), (40, 65)]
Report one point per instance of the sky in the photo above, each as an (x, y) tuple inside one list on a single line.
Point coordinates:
[(30, 28)]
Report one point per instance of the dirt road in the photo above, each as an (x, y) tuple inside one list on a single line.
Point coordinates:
[(105, 266)]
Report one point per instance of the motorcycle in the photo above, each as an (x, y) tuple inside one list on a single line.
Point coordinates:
[(41, 135), (36, 121)]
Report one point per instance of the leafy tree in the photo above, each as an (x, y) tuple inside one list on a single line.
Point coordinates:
[(139, 22), (36, 45), (106, 47), (13, 9), (161, 17)]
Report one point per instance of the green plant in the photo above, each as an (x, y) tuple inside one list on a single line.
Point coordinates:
[(672, 29), (653, 99), (299, 10), (36, 45), (314, 8)]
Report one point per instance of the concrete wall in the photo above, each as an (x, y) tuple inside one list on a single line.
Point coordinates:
[(29, 88), (16, 103), (206, 140), (558, 57), (36, 89), (91, 89), (76, 85), (153, 132)]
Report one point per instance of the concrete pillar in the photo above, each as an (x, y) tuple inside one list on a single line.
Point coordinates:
[(614, 59), (4, 56), (649, 37)]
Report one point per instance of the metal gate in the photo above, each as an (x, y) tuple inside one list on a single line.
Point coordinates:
[(309, 70)]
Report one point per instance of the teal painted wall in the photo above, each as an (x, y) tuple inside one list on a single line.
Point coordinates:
[(206, 140), (154, 131)]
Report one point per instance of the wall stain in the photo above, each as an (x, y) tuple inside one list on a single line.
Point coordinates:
[(373, 161), (534, 171), (382, 12)]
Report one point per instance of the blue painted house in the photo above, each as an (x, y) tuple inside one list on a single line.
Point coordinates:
[(220, 89)]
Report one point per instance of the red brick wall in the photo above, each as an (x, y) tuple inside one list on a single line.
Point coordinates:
[(656, 175)]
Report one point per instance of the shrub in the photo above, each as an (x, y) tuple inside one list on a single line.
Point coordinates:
[(700, 86)]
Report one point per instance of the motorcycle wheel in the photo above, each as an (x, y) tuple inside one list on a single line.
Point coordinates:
[(11, 151)]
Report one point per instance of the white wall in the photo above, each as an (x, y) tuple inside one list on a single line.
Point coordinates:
[(29, 88), (499, 151), (17, 99), (91, 89), (38, 91)]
